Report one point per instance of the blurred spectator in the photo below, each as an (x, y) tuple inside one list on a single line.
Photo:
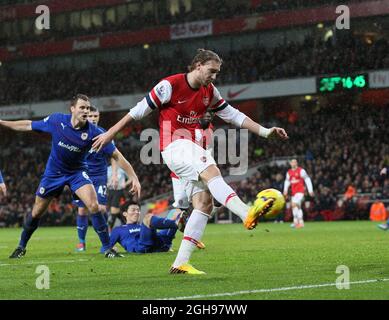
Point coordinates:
[(378, 212), (350, 193)]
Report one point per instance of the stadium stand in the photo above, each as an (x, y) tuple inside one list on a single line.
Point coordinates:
[(148, 14), (334, 156), (312, 57), (338, 157)]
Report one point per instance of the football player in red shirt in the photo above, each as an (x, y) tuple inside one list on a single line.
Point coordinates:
[(182, 100), (297, 177)]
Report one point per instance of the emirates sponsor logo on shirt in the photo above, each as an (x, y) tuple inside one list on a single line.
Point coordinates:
[(187, 120)]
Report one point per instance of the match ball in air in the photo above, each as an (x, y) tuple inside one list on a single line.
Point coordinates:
[(278, 204)]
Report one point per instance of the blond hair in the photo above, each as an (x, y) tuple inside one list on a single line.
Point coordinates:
[(203, 56)]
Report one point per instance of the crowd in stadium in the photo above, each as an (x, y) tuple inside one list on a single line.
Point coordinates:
[(312, 57), (160, 16), (335, 156), (338, 158)]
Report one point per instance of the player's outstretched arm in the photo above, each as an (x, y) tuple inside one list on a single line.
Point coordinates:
[(256, 128), (127, 167), (308, 182), (114, 175), (19, 125), (286, 185), (103, 139), (232, 115)]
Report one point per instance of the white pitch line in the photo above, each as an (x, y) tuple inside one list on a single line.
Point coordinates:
[(42, 262), (236, 293)]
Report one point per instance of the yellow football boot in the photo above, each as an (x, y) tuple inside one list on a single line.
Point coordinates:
[(259, 208), (185, 268)]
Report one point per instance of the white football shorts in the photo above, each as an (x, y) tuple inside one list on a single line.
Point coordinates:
[(187, 160), (298, 198)]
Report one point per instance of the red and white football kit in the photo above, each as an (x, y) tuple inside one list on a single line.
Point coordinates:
[(297, 179), (180, 109)]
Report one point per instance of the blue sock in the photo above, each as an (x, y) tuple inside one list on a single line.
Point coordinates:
[(162, 223), (387, 222), (100, 225), (29, 226), (82, 227)]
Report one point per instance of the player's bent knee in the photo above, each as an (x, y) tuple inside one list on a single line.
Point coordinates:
[(93, 207), (38, 211), (210, 173), (205, 207), (147, 220), (37, 214), (202, 201)]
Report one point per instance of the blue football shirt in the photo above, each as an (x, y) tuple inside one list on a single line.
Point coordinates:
[(70, 146), (98, 161), (127, 235)]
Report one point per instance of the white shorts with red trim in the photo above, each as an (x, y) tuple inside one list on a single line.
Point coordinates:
[(187, 160)]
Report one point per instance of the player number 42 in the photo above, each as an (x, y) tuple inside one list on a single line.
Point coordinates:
[(102, 190)]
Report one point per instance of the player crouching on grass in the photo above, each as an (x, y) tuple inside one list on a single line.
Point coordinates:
[(154, 234)]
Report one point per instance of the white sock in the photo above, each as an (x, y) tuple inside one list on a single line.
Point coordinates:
[(224, 194), (295, 211), (193, 232), (300, 216)]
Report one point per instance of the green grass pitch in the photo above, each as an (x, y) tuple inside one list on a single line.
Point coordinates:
[(271, 262)]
